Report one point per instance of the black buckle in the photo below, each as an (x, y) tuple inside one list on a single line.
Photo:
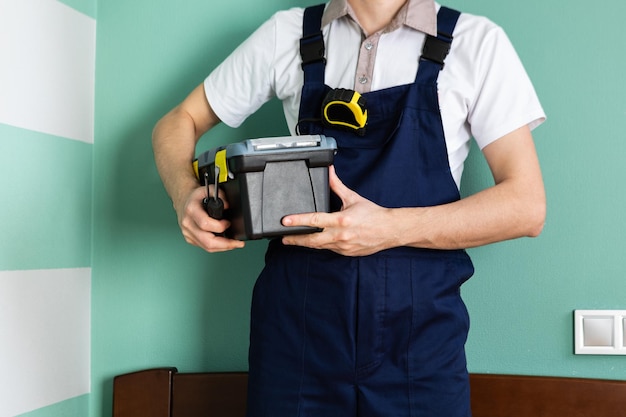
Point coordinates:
[(312, 48), (436, 49)]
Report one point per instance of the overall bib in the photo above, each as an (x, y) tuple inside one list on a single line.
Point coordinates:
[(380, 335)]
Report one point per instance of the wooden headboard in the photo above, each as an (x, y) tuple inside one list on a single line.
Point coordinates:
[(164, 392)]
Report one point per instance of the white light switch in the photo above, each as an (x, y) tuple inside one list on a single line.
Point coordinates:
[(600, 332)]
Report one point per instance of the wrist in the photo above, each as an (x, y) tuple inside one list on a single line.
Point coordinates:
[(181, 193)]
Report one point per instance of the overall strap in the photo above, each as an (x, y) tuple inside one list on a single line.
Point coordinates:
[(436, 49), (312, 47), (312, 52)]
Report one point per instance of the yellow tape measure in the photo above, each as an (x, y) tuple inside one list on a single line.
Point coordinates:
[(345, 109)]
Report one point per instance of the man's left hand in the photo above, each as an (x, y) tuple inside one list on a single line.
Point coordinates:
[(360, 228)]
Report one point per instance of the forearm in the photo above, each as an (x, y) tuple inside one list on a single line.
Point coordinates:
[(514, 207), (507, 211), (173, 141)]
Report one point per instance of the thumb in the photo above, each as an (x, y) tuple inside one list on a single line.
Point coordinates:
[(339, 188)]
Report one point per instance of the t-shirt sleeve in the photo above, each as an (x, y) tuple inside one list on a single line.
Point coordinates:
[(505, 98), (242, 83)]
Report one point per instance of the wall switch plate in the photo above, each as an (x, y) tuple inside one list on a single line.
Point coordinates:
[(600, 332)]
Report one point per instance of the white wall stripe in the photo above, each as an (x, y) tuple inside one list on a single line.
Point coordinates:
[(44, 337), (47, 76)]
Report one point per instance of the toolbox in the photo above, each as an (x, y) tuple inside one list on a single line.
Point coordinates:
[(266, 179)]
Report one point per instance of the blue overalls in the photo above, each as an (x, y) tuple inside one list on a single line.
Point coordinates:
[(380, 335)]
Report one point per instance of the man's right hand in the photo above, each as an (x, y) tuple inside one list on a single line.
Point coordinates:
[(201, 230)]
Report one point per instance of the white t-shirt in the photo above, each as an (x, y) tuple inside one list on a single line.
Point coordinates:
[(484, 91)]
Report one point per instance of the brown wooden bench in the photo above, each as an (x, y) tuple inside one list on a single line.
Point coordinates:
[(164, 392)]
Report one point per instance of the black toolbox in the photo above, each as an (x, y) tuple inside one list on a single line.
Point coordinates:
[(266, 179)]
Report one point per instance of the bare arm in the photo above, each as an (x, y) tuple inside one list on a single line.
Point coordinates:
[(174, 140), (514, 207)]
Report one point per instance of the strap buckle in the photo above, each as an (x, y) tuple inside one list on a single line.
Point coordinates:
[(436, 49), (312, 49)]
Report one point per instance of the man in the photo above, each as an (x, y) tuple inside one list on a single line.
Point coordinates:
[(365, 317)]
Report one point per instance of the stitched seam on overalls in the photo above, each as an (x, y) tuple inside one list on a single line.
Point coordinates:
[(303, 330), (380, 318)]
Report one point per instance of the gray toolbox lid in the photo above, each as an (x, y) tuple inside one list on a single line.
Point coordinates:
[(253, 154)]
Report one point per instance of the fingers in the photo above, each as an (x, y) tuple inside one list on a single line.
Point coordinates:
[(317, 219), (213, 243), (200, 230), (323, 220), (358, 229)]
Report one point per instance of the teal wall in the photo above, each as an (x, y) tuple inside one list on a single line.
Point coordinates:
[(87, 7), (158, 302), (51, 213), (75, 407)]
